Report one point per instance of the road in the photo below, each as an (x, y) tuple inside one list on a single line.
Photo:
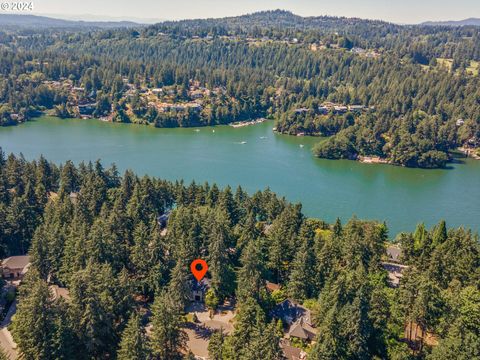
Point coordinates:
[(6, 340)]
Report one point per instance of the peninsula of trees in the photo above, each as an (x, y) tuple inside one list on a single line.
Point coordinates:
[(408, 95), (101, 236)]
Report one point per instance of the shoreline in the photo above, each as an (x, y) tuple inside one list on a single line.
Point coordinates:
[(373, 160), (471, 153), (239, 124)]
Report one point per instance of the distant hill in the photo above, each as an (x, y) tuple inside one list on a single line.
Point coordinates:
[(274, 19), (466, 22), (34, 21)]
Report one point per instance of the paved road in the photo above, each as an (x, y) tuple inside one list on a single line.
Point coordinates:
[(6, 340)]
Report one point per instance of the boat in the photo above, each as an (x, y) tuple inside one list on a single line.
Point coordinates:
[(301, 145), (197, 130), (263, 137)]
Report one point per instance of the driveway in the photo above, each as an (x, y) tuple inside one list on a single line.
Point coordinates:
[(6, 340)]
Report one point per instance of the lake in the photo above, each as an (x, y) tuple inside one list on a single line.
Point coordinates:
[(256, 158)]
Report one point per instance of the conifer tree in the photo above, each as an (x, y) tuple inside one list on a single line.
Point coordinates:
[(167, 339), (133, 345), (215, 345), (33, 327)]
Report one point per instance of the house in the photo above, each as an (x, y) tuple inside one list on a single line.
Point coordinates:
[(17, 117), (178, 107), (271, 287), (195, 106), (358, 50), (15, 267), (73, 196), (199, 290), (301, 110), (340, 109), (394, 272), (162, 220), (460, 122), (289, 312), (302, 330), (323, 110), (196, 94), (87, 109), (297, 319), (356, 108), (394, 253), (290, 352)]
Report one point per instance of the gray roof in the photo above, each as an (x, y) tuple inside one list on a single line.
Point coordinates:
[(289, 312), (394, 252)]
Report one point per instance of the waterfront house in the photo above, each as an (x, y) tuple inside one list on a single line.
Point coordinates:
[(87, 109), (394, 272), (15, 267), (394, 253)]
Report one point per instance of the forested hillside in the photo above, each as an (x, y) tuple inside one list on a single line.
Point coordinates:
[(97, 234), (406, 94)]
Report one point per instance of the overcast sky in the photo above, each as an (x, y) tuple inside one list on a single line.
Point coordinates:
[(399, 11)]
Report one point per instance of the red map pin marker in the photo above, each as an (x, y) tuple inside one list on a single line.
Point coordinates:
[(199, 268)]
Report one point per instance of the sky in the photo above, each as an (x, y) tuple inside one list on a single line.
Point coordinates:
[(398, 11)]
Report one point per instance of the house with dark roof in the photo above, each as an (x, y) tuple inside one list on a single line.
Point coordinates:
[(162, 220), (297, 319), (288, 311), (199, 289), (15, 267)]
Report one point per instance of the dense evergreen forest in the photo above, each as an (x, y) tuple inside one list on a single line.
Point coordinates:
[(406, 94), (415, 88), (97, 233)]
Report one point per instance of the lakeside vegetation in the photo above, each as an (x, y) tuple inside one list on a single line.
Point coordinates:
[(406, 94), (97, 234)]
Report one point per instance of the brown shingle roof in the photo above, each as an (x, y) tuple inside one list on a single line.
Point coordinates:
[(272, 286), (302, 330), (16, 262), (290, 352)]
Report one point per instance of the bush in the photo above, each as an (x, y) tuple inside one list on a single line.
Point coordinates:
[(211, 299)]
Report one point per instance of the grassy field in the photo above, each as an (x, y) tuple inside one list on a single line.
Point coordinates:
[(443, 62), (474, 67)]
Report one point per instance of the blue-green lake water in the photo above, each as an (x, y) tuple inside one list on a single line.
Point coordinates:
[(256, 158)]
